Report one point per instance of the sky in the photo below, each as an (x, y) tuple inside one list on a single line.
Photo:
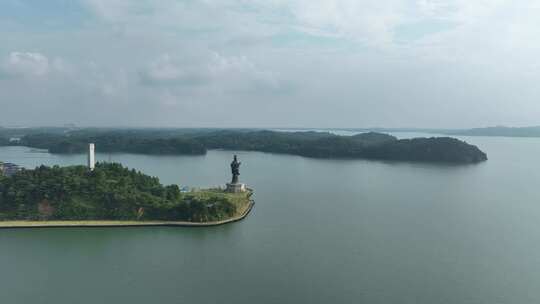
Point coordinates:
[(270, 63)]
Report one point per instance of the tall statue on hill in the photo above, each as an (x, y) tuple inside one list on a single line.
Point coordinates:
[(234, 186), (235, 170)]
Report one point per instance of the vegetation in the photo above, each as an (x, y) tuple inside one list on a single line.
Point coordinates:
[(110, 192), (311, 144), (441, 149), (366, 145), (499, 131), (56, 143)]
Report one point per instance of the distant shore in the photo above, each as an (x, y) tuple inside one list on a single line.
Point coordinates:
[(97, 223), (370, 145)]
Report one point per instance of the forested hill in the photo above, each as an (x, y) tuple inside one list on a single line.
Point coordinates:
[(311, 144), (110, 192), (499, 131), (365, 145)]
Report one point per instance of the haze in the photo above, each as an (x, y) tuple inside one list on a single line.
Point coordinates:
[(270, 63)]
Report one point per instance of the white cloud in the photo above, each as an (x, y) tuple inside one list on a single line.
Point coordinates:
[(113, 10), (373, 23), (166, 70), (26, 64), (343, 56), (369, 21), (209, 69)]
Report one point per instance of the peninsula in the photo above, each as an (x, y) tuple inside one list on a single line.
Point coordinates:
[(111, 195), (369, 145)]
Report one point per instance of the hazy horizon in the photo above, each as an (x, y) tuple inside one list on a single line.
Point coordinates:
[(72, 125), (253, 64)]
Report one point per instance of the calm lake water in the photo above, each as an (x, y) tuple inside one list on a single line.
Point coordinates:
[(322, 231)]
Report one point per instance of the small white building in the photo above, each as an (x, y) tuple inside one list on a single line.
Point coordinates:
[(91, 157)]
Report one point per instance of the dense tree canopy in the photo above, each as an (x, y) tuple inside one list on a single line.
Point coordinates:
[(367, 145), (110, 192), (57, 143), (311, 144)]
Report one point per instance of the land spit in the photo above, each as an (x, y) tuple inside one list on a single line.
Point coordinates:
[(97, 223)]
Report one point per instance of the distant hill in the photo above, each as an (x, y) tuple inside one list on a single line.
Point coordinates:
[(370, 145), (499, 131)]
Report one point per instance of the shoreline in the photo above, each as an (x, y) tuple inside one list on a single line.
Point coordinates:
[(115, 224)]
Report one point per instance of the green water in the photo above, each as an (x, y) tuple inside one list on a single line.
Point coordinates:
[(322, 231)]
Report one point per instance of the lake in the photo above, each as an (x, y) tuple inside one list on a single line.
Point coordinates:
[(322, 231)]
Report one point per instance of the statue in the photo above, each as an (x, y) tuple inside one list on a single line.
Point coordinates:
[(235, 170), (234, 186)]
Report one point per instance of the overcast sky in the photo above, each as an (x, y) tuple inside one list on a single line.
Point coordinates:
[(270, 63)]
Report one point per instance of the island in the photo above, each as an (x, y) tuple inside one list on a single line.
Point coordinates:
[(501, 131), (370, 145), (111, 195)]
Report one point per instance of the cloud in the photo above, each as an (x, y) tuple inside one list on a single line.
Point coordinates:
[(166, 70), (369, 21), (308, 62), (388, 25), (210, 69), (25, 64), (115, 10)]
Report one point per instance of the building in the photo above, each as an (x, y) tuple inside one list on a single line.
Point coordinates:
[(91, 157)]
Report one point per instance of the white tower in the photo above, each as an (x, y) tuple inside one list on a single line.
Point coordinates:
[(91, 157)]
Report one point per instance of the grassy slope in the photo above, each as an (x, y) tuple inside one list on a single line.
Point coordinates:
[(240, 200)]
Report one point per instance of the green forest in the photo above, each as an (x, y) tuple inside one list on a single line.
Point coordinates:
[(110, 192), (370, 145)]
